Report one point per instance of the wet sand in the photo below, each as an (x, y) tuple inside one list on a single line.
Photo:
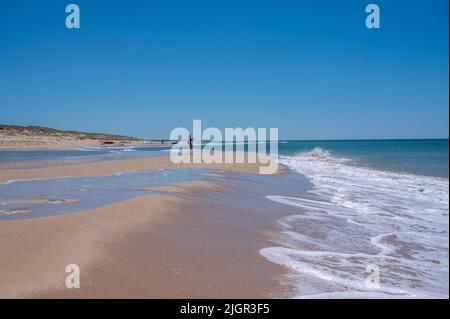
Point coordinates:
[(153, 246), (115, 166)]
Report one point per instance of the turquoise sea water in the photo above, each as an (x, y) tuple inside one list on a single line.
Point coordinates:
[(422, 157)]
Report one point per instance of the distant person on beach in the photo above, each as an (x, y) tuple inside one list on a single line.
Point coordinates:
[(190, 142)]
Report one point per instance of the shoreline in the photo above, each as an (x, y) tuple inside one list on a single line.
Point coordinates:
[(102, 168)]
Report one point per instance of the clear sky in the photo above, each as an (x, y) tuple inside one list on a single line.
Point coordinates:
[(310, 68)]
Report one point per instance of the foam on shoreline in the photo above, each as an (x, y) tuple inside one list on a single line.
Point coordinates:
[(355, 217)]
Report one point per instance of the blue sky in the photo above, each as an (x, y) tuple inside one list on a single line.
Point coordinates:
[(310, 68)]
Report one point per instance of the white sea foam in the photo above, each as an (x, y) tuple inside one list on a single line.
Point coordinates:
[(10, 181), (355, 217), (11, 212)]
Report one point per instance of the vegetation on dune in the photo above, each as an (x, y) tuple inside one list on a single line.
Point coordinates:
[(12, 130)]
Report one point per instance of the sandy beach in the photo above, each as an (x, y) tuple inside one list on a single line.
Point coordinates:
[(175, 244)]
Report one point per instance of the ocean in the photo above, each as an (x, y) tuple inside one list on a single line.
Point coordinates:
[(418, 157)]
